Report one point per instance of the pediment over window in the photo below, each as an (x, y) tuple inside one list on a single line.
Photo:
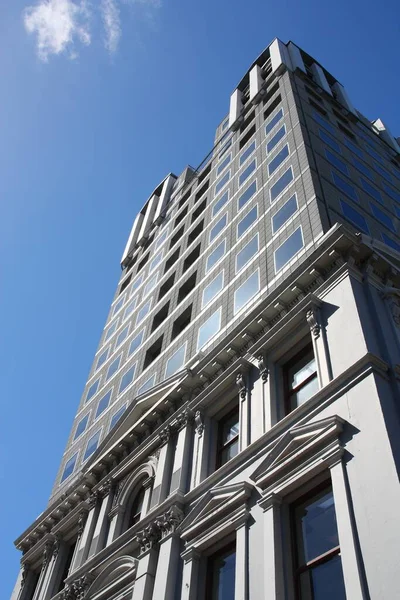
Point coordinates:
[(298, 446), (114, 578)]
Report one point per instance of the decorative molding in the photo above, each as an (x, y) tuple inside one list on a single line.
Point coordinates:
[(47, 553), (170, 520), (56, 544), (148, 537), (92, 499), (262, 367), (106, 488), (184, 418), (25, 567), (165, 434), (312, 317), (199, 421), (82, 521), (241, 383), (77, 589)]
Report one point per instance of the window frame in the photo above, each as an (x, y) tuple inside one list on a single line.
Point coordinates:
[(287, 366)]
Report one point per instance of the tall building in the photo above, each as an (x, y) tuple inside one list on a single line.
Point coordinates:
[(238, 435)]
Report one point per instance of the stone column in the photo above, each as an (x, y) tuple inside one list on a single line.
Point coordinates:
[(200, 450), (244, 411), (44, 574), (53, 570), (273, 556), (241, 570), (182, 456), (320, 345), (28, 583), (87, 522), (102, 524), (190, 575), (168, 558), (147, 563), (163, 473)]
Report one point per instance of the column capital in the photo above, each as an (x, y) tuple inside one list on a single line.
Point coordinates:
[(270, 500), (190, 555), (170, 520)]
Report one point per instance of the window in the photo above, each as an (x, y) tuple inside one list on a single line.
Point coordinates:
[(81, 426), (345, 187), (329, 141), (246, 137), (147, 385), (391, 192), (336, 162), (318, 568), (384, 173), (221, 575), (176, 362), (247, 253), (201, 208), (371, 190), (92, 445), (228, 437), (136, 342), (177, 237), (278, 160), (280, 134), (354, 217), (143, 262), (166, 286), (116, 416), (270, 109), (160, 240), (103, 404), (195, 233), (247, 172), (247, 221), (181, 216), (284, 213), (281, 184), (118, 305), (209, 329), (202, 190), (125, 284), (212, 289), (353, 148), (218, 227), (225, 125), (389, 242), (137, 507), (288, 249), (397, 210), (172, 259), (181, 322), (127, 378), (191, 258), (204, 173), (300, 378), (247, 121), (102, 358), (113, 368), (382, 217), (374, 155), (248, 152), (187, 287), (362, 168), (247, 291), (130, 307), (111, 330), (323, 122), (160, 317), (143, 312), (224, 164), (137, 283), (92, 390), (153, 352), (225, 147), (69, 467), (245, 197), (220, 203), (150, 285), (274, 121), (222, 182), (215, 255), (122, 336)]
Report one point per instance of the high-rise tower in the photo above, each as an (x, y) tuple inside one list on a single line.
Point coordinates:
[(240, 423)]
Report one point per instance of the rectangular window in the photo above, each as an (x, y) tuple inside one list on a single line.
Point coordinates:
[(150, 285), (355, 149), (391, 192), (137, 283), (278, 159), (216, 255), (218, 227), (122, 336), (220, 203), (127, 379), (130, 307), (92, 445), (81, 426), (111, 330), (225, 147), (362, 168), (336, 162), (318, 566), (225, 125), (324, 122), (187, 287), (221, 575), (191, 258), (280, 134), (389, 242), (166, 286), (345, 187), (248, 152), (247, 291), (209, 329), (156, 261), (247, 253), (103, 404), (224, 164), (247, 221), (148, 384), (113, 368), (281, 184), (176, 362), (118, 305), (247, 172), (354, 217), (182, 321), (143, 312), (284, 213), (382, 217), (384, 173), (69, 467), (116, 416), (288, 249), (153, 352), (329, 141), (300, 378), (374, 155), (371, 190), (136, 342), (228, 437), (102, 358), (274, 121), (92, 390), (245, 197), (222, 182), (212, 289), (160, 240)]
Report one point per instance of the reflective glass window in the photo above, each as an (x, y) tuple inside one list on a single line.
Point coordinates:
[(280, 134), (288, 249), (246, 291), (344, 187), (127, 378), (220, 203), (248, 152), (215, 255), (92, 445), (278, 159), (274, 121), (103, 404), (209, 329), (69, 467), (245, 174), (354, 217), (247, 221), (218, 227), (247, 194), (176, 362), (247, 253), (281, 184), (284, 213)]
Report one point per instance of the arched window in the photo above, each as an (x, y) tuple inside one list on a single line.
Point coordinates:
[(136, 509)]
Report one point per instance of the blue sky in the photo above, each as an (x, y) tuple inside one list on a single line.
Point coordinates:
[(100, 100)]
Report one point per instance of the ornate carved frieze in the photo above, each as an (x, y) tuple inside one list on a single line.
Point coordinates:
[(184, 418), (148, 537), (241, 383), (77, 589), (170, 520)]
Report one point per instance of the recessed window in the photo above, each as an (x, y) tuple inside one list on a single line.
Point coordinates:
[(160, 317), (81, 426), (177, 237), (191, 258), (160, 240), (274, 121), (218, 227), (176, 362), (118, 305), (345, 187), (362, 168), (122, 336), (247, 253), (247, 136), (225, 147), (116, 416), (92, 445), (224, 164), (382, 217), (125, 284), (130, 307), (280, 134), (391, 192), (200, 209), (111, 330), (181, 322), (216, 255), (281, 184), (284, 213), (205, 172), (143, 262), (221, 575), (181, 216), (329, 141), (113, 368), (248, 152), (127, 379), (166, 286), (137, 508), (288, 249), (187, 287), (194, 234), (153, 352), (143, 312), (278, 160), (209, 329), (249, 193), (92, 390), (384, 173), (148, 384), (371, 190), (389, 242), (374, 155), (69, 467), (355, 149), (172, 259), (103, 404), (222, 182), (136, 342), (212, 289), (336, 162), (247, 291), (244, 125), (150, 285), (323, 122), (225, 125), (102, 358), (228, 437), (247, 172), (220, 203), (300, 378), (247, 221), (356, 218), (202, 190)]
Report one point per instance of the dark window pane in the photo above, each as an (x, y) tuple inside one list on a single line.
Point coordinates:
[(301, 370), (324, 582), (308, 390), (229, 452), (223, 576), (230, 428), (317, 526)]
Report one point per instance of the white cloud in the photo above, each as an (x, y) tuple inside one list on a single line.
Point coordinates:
[(58, 24), (112, 24)]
